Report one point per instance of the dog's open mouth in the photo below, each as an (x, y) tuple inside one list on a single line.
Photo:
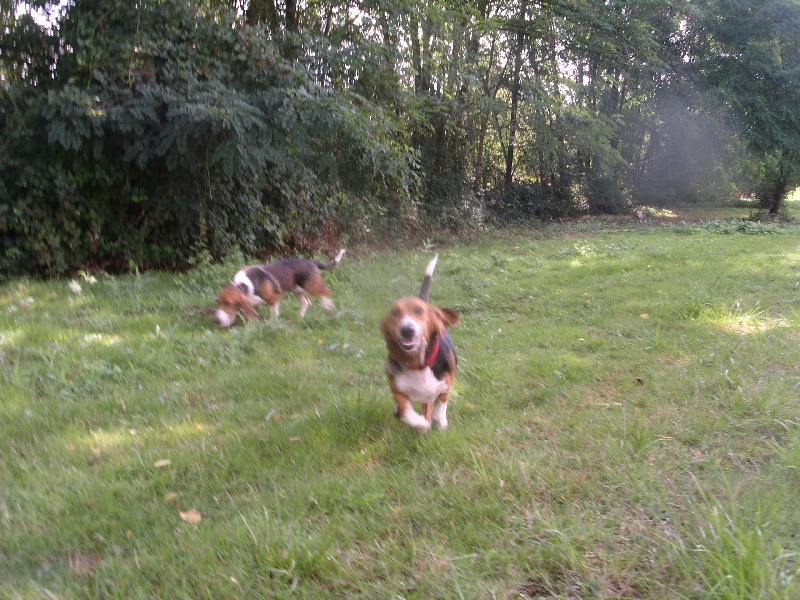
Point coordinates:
[(409, 345)]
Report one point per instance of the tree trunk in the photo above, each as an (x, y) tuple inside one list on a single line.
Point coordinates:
[(416, 54), (264, 10), (515, 94), (773, 196), (477, 182)]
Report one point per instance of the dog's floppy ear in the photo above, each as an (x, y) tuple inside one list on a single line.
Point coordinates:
[(247, 308), (453, 318), (233, 296), (443, 318), (385, 328)]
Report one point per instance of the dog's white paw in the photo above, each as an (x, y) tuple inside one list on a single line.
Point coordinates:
[(327, 304), (416, 420), (439, 416)]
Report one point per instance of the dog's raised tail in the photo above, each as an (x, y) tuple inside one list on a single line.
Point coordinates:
[(335, 262), (426, 282)]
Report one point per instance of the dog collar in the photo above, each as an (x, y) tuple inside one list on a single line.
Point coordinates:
[(430, 357)]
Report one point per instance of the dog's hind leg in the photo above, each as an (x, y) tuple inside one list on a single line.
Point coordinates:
[(316, 287), (304, 303), (327, 303)]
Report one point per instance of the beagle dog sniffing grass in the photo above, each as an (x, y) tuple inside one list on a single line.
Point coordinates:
[(422, 359), (265, 284)]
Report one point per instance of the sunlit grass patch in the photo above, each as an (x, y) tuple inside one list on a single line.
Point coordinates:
[(658, 211), (737, 319)]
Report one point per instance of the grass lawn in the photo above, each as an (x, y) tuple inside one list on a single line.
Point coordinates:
[(624, 424)]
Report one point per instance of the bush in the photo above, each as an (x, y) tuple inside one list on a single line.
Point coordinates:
[(605, 195), (200, 142), (524, 201)]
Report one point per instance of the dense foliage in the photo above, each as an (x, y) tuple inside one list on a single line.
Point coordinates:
[(751, 58), (167, 132)]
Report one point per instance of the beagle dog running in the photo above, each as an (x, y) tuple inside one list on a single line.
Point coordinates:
[(265, 284), (422, 358)]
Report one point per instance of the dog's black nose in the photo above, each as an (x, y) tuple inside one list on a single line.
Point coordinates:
[(407, 332)]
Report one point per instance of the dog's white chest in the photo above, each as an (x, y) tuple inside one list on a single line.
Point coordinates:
[(420, 386)]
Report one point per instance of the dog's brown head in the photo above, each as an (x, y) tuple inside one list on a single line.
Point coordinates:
[(230, 301), (409, 326)]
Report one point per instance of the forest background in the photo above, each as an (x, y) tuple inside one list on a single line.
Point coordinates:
[(173, 133)]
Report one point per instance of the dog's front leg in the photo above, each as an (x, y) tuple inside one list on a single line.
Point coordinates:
[(406, 413), (439, 416)]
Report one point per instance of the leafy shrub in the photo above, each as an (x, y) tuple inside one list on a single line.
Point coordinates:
[(604, 195), (532, 200), (169, 136), (745, 227)]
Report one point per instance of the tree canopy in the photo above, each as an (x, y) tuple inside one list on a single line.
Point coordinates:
[(749, 54), (166, 132)]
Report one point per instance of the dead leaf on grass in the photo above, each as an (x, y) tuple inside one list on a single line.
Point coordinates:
[(170, 496), (160, 464), (191, 516), (82, 565)]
